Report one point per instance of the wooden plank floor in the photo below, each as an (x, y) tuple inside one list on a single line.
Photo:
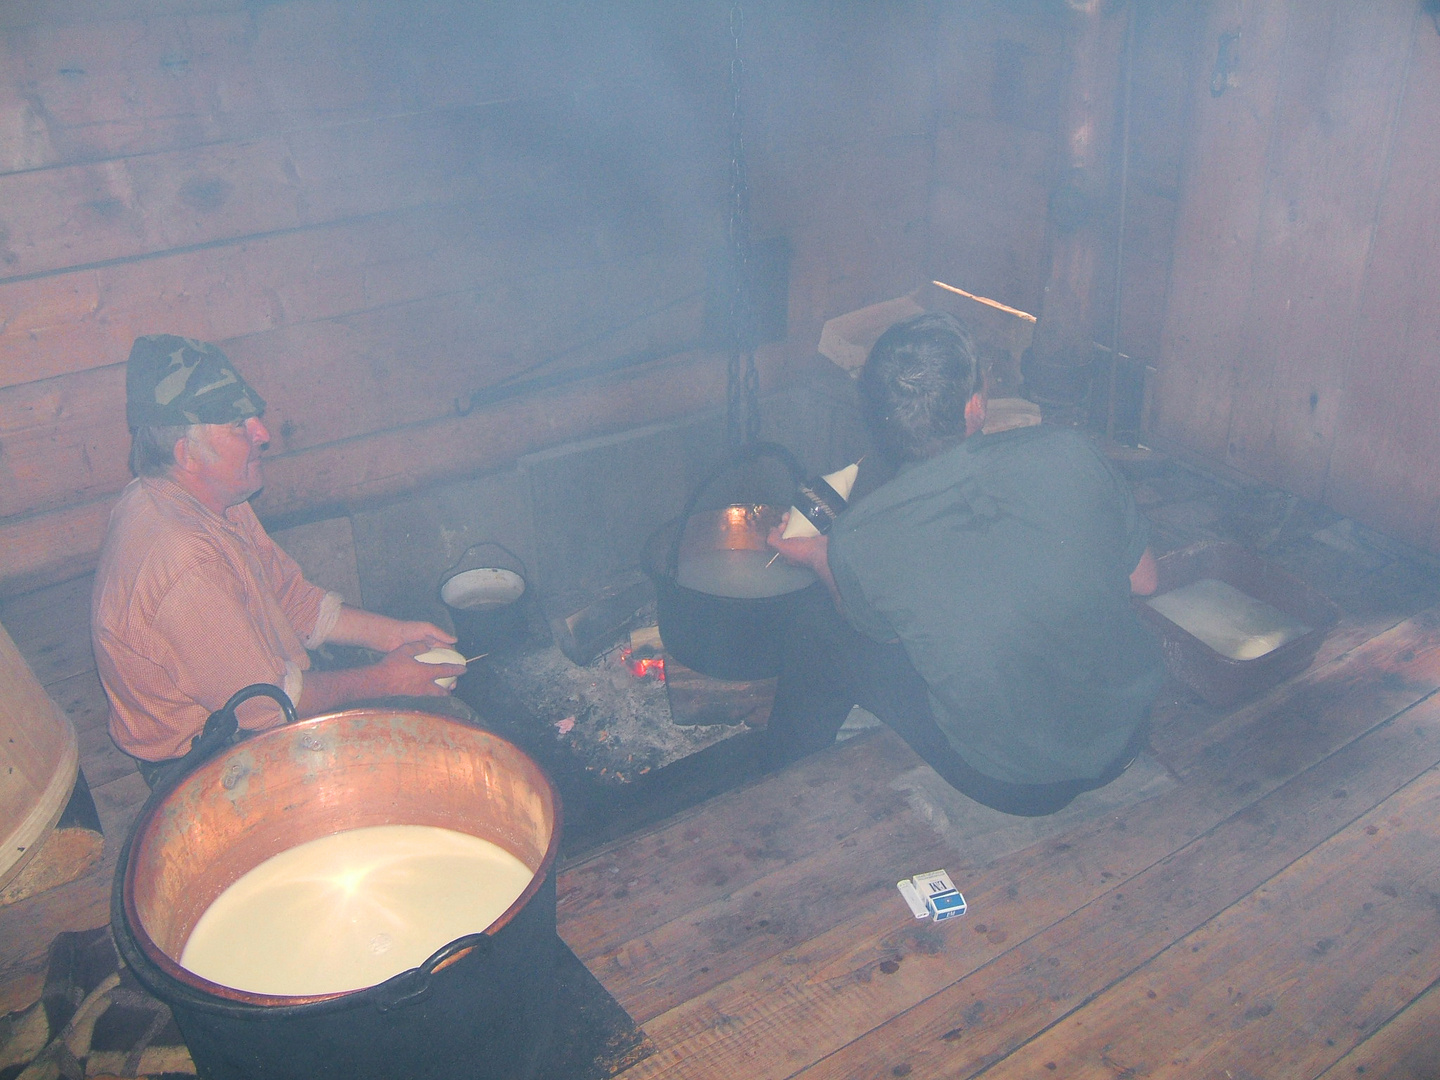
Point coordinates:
[(1270, 914), (1265, 917)]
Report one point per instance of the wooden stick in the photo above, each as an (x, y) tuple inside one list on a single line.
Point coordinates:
[(986, 300)]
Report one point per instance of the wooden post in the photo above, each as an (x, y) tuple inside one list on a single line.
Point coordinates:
[(1061, 353)]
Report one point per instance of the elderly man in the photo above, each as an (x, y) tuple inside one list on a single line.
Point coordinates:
[(985, 593), (192, 599)]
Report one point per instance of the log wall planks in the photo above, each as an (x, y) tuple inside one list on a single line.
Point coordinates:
[(378, 209), (1300, 338), (375, 211)]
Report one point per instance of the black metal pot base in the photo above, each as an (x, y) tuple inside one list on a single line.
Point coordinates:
[(594, 1038)]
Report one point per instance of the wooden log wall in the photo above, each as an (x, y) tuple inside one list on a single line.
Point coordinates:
[(377, 209), (1302, 330), (1001, 72)]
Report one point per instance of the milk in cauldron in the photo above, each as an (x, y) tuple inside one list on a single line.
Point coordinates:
[(352, 909), (741, 573)]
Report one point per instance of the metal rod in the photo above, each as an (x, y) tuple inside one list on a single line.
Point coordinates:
[(1129, 81)]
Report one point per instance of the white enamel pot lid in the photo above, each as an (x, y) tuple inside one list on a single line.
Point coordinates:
[(486, 586)]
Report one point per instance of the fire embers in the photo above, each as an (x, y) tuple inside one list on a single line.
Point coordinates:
[(643, 663)]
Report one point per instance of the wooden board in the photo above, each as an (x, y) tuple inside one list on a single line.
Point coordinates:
[(66, 439), (83, 699), (876, 186), (1341, 77), (65, 324), (1403, 1049), (741, 837), (986, 209), (1218, 226), (1049, 978), (699, 699), (1296, 345), (47, 548), (42, 548), (76, 215), (1382, 469), (1317, 940), (51, 628)]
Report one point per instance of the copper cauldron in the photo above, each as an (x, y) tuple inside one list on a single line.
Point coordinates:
[(478, 1007)]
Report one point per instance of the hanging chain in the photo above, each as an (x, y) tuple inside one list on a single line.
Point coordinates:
[(742, 415)]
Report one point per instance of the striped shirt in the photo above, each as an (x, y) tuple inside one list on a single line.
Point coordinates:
[(188, 608)]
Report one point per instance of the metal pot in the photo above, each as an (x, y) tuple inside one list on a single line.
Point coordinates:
[(480, 1006), (725, 637), (485, 599)]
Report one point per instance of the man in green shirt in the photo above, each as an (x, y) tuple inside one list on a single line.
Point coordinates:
[(980, 599)]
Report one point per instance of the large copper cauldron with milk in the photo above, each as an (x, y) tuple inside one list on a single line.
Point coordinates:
[(480, 1005), (724, 601)]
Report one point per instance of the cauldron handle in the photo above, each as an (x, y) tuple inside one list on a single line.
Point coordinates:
[(748, 452), (414, 985), (219, 731)]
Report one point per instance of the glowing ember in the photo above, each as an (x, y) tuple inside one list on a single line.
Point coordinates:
[(642, 664)]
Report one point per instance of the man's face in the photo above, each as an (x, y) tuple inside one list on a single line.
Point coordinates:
[(225, 460)]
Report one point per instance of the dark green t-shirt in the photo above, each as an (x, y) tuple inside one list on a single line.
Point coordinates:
[(1003, 567)]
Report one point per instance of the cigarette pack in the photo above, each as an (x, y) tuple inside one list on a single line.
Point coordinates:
[(942, 899)]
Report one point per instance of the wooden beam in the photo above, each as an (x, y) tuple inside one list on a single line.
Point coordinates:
[(65, 439), (81, 215), (1077, 228), (48, 547)]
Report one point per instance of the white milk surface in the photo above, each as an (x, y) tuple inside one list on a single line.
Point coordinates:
[(1233, 623), (351, 910), (742, 574)]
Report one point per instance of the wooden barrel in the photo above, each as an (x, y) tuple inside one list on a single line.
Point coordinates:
[(38, 761)]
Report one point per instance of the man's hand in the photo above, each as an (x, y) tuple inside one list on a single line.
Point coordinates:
[(400, 673), (1145, 578), (809, 551)]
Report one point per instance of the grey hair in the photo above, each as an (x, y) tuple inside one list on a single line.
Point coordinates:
[(152, 447)]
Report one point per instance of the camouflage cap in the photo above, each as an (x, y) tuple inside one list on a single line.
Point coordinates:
[(172, 380)]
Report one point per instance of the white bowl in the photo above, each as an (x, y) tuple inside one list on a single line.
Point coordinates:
[(489, 586)]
